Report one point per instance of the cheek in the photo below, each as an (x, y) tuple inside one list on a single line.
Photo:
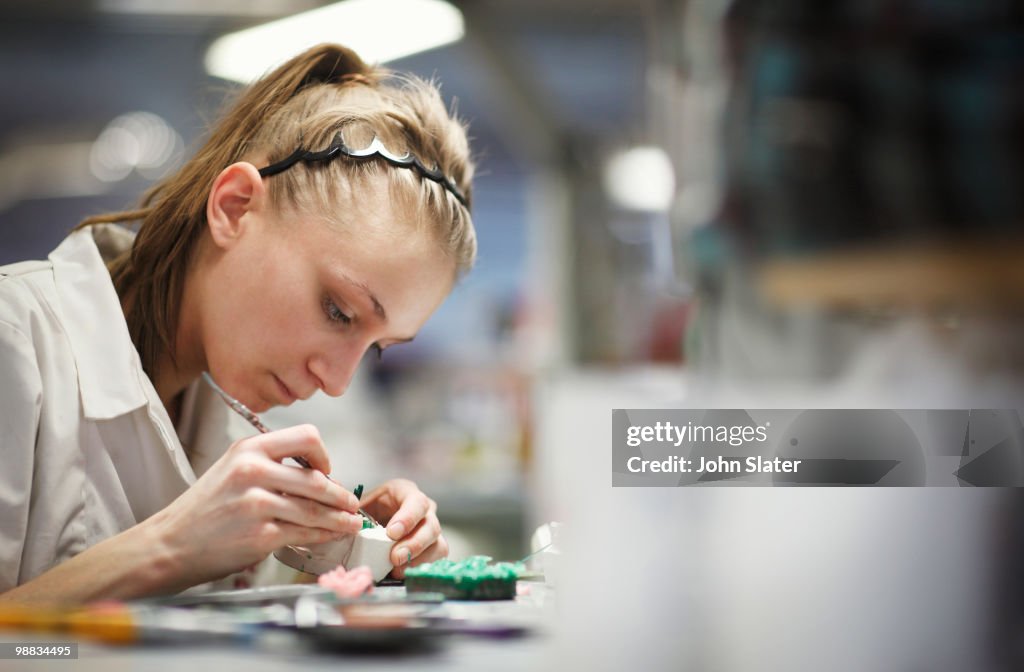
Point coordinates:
[(277, 323), (256, 322)]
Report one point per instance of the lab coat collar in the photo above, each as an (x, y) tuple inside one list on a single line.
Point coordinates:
[(110, 373)]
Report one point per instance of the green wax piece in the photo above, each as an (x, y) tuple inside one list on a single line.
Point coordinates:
[(471, 579), (358, 492), (468, 572)]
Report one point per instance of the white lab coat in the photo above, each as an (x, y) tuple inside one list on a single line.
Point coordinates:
[(87, 449)]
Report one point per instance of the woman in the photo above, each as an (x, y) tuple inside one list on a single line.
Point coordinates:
[(298, 237)]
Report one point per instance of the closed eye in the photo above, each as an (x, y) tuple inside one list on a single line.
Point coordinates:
[(334, 313)]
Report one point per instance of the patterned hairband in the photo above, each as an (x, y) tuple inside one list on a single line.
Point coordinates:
[(375, 149)]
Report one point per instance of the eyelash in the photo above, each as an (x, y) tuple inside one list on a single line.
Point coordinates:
[(337, 316), (333, 313)]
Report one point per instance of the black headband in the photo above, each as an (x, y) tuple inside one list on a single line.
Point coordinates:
[(376, 149)]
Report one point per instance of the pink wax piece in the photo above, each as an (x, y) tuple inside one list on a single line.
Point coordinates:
[(348, 583)]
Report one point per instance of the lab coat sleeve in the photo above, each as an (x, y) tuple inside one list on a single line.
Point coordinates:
[(21, 396)]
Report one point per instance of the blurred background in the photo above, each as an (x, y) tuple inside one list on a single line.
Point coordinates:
[(703, 203)]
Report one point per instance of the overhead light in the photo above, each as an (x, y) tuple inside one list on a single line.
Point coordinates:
[(640, 178), (139, 141), (136, 142), (378, 30)]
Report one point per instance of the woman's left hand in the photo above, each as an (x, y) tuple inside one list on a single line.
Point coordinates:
[(411, 519)]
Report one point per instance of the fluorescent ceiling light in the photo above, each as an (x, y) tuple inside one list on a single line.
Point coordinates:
[(378, 30), (640, 178)]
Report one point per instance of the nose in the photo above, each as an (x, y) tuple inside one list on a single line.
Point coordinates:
[(335, 369)]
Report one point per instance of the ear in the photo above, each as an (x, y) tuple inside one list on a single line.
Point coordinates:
[(237, 191)]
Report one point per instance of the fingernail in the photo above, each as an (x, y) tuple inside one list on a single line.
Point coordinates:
[(396, 530), (402, 552)]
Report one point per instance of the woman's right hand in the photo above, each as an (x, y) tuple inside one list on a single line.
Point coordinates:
[(248, 504)]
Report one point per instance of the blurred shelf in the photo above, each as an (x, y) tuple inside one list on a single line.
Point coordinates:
[(471, 507), (493, 523), (977, 276)]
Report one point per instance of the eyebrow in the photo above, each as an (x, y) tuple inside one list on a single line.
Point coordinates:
[(377, 307)]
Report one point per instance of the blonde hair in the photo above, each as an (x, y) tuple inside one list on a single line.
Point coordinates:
[(304, 103)]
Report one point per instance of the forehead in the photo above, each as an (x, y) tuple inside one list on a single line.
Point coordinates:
[(373, 252), (369, 219)]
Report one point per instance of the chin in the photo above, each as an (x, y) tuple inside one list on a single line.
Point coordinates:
[(249, 397), (259, 406)]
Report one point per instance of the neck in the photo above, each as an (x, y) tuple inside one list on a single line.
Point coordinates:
[(171, 380), (174, 374)]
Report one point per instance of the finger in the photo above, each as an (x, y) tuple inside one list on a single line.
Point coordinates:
[(435, 551), (379, 502), (414, 507), (299, 441), (279, 533), (423, 536), (310, 513), (310, 484)]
